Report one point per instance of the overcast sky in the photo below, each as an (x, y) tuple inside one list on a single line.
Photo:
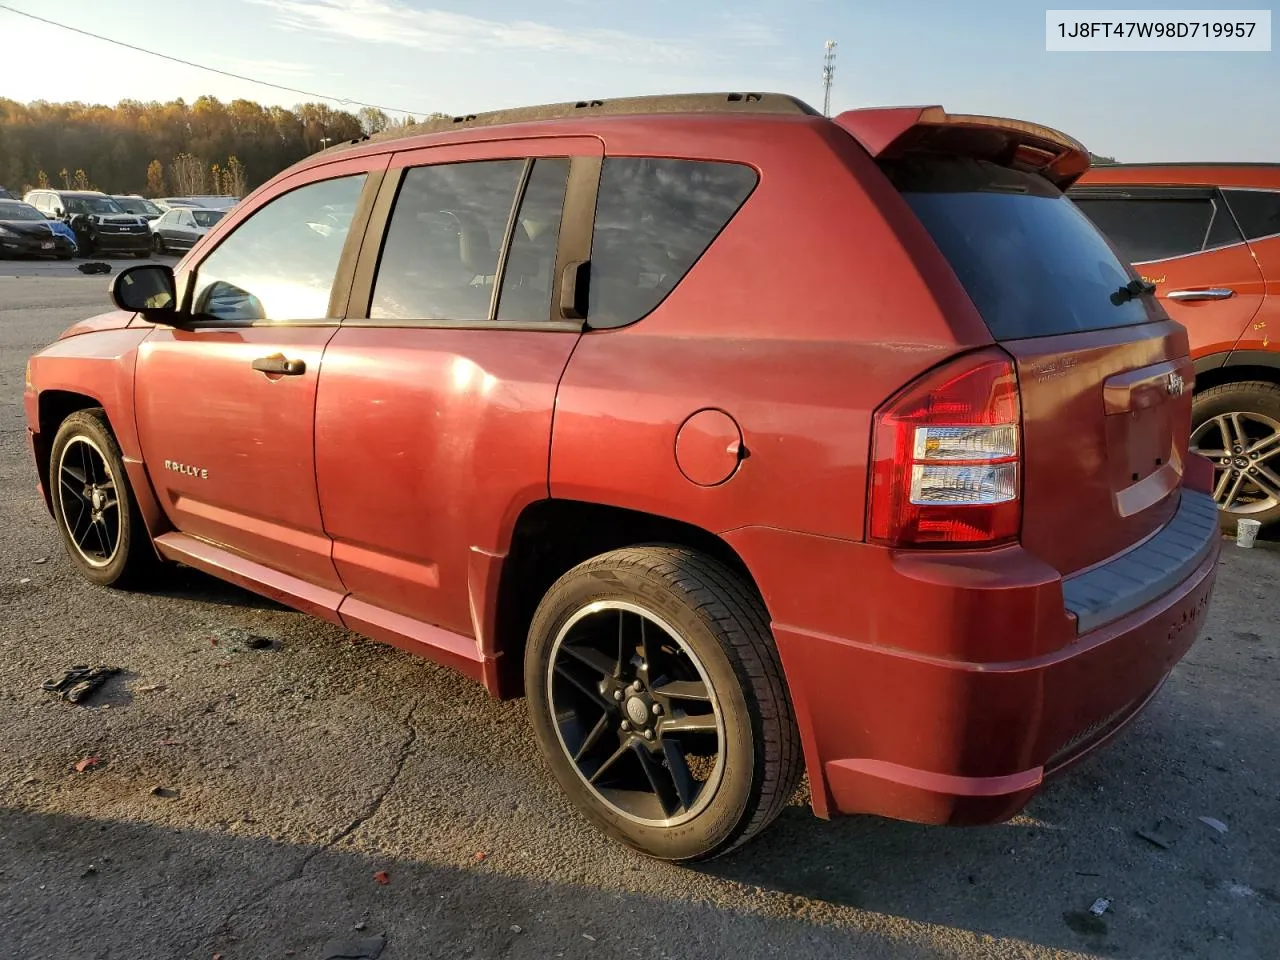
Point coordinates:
[(454, 56)]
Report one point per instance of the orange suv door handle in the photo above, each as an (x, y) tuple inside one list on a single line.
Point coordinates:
[(278, 363), (1210, 293)]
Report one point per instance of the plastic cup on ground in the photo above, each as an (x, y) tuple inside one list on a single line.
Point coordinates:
[(1247, 532)]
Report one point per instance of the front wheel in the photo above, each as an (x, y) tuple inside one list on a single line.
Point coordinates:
[(94, 506), (1237, 427), (157, 243), (657, 697)]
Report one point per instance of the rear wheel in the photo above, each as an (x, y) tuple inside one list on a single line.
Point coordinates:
[(657, 697), (94, 505), (1237, 427), (157, 243)]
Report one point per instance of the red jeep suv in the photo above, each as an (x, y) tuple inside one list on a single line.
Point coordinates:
[(743, 442), (1208, 237)]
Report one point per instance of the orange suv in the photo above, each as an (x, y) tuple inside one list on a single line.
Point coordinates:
[(1208, 237)]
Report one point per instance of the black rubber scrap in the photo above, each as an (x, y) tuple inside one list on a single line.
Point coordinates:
[(79, 683), (363, 948)]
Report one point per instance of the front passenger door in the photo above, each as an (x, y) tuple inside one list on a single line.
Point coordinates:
[(225, 409)]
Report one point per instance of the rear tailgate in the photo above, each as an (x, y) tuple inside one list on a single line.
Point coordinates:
[(1104, 375)]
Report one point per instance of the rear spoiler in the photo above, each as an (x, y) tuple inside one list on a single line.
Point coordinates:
[(892, 132)]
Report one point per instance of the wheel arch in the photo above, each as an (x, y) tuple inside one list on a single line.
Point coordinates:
[(552, 536), (53, 407), (1237, 366)]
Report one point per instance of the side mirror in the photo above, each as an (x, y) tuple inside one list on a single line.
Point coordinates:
[(148, 289), (59, 212)]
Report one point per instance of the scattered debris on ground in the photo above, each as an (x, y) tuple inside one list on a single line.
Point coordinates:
[(79, 683), (1164, 834), (87, 763), (382, 877), (159, 791), (1100, 906), (96, 266), (1215, 823), (152, 688)]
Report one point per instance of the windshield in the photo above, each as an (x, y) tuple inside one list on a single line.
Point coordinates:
[(19, 211), (1031, 262), (92, 205), (207, 218), (138, 206)]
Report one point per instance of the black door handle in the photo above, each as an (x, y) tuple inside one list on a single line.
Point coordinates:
[(279, 364)]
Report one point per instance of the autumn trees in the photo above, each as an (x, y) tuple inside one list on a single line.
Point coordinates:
[(165, 148)]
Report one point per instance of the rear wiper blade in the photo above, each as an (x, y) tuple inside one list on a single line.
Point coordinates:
[(1132, 289)]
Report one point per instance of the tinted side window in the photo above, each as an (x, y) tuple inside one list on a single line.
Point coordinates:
[(531, 260), (654, 219), (1151, 229), (1257, 210), (440, 257), (279, 264)]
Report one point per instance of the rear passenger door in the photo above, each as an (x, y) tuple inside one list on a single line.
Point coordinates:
[(434, 406), (1186, 242), (1258, 213)]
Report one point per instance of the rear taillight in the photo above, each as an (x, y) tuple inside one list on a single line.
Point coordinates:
[(946, 455)]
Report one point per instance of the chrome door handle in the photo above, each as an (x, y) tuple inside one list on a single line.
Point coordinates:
[(1211, 293)]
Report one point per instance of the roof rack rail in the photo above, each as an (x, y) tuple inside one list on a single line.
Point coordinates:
[(751, 103)]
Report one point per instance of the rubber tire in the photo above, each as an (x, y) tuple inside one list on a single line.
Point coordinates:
[(1254, 396), (135, 562), (157, 244), (725, 624)]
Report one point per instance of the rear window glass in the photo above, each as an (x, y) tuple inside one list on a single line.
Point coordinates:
[(654, 219), (1032, 263)]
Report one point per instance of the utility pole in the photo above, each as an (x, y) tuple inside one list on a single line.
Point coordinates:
[(828, 74)]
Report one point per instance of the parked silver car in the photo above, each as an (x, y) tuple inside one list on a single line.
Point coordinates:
[(180, 227)]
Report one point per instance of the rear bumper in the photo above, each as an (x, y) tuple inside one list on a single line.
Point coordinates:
[(909, 703)]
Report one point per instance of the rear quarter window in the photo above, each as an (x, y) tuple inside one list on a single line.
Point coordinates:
[(654, 218), (1257, 210), (1031, 262), (1160, 228)]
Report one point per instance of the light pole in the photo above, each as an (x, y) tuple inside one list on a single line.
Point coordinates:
[(828, 74), (325, 141)]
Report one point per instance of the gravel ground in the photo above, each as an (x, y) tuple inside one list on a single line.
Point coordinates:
[(330, 797)]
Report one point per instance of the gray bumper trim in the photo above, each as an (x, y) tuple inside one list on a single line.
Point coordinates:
[(1133, 579)]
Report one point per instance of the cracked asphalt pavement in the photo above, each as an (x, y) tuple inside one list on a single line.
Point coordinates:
[(325, 796)]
